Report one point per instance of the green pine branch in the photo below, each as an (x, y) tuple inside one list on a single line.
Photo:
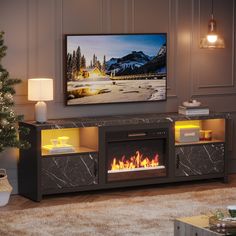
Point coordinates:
[(9, 129)]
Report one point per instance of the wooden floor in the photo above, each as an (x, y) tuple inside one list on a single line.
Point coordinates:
[(17, 202)]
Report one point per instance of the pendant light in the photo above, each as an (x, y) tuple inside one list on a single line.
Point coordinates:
[(212, 39)]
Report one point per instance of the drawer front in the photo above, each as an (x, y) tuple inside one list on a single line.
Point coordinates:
[(199, 159), (69, 171)]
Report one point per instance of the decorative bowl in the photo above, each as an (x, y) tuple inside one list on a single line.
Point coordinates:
[(192, 103)]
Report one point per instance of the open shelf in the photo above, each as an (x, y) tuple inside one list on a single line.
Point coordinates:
[(76, 140), (216, 128)]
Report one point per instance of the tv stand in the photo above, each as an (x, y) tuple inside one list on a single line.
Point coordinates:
[(73, 155)]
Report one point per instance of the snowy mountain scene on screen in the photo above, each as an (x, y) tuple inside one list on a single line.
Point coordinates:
[(115, 68)]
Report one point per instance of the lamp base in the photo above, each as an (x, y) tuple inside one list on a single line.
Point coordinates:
[(41, 112)]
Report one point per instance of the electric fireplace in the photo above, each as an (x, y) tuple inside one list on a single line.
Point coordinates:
[(135, 155)]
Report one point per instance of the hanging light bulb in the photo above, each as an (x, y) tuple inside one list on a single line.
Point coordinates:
[(212, 39), (212, 35)]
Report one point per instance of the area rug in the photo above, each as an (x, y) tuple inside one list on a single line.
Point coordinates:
[(140, 215)]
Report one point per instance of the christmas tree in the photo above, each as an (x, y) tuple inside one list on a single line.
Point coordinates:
[(9, 129)]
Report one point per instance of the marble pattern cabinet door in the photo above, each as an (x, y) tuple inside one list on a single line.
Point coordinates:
[(199, 159), (63, 172)]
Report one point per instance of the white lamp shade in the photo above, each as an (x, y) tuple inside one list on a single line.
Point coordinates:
[(40, 89)]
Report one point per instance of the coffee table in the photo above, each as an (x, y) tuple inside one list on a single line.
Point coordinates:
[(199, 226)]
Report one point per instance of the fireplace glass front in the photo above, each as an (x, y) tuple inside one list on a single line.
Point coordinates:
[(136, 155)]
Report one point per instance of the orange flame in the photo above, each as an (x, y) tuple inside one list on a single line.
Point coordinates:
[(135, 161)]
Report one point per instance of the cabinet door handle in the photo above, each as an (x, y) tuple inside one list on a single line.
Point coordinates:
[(177, 161), (95, 169), (229, 133)]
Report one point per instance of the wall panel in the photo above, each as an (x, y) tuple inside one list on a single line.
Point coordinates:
[(213, 70), (183, 50), (151, 15), (83, 16), (116, 19)]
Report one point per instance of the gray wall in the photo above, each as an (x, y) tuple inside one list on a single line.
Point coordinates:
[(34, 32)]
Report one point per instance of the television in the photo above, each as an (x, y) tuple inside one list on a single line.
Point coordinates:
[(115, 68)]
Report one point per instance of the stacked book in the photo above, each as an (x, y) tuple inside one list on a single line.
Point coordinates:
[(191, 111), (67, 148)]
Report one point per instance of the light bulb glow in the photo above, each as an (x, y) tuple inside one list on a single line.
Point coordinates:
[(212, 38)]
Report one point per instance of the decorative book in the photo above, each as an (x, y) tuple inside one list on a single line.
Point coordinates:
[(200, 110), (67, 148)]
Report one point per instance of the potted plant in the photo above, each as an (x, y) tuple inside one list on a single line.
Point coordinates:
[(9, 129)]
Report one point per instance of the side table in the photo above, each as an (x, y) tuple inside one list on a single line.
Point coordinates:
[(196, 226)]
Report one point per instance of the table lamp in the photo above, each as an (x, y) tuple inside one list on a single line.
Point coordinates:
[(40, 90)]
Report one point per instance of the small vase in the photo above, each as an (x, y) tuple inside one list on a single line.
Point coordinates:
[(5, 188)]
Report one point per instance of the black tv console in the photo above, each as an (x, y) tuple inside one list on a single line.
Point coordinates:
[(79, 154)]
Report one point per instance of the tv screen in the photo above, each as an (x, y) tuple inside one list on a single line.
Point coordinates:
[(115, 68)]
